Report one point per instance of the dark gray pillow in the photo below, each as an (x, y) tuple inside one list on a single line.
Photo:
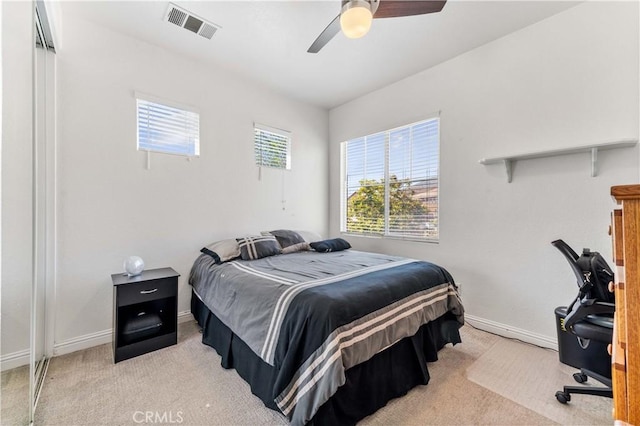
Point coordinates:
[(325, 246), (259, 246), (287, 237)]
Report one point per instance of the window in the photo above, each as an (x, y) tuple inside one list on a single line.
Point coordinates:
[(168, 129), (391, 182), (272, 147)]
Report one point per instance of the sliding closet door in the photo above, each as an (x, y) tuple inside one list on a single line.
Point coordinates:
[(39, 201), (17, 210), (42, 192)]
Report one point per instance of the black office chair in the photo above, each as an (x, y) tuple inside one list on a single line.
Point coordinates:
[(589, 317)]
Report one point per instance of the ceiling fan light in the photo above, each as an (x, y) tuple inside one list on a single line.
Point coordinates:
[(356, 18)]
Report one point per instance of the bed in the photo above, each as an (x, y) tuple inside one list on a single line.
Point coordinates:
[(325, 337)]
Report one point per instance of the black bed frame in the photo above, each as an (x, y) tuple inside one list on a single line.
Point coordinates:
[(369, 386)]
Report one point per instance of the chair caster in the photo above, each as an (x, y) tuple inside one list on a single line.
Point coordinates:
[(563, 397), (580, 377)]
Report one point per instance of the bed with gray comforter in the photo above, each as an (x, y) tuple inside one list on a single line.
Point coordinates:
[(310, 317)]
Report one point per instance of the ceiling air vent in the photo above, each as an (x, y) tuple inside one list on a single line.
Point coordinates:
[(187, 20)]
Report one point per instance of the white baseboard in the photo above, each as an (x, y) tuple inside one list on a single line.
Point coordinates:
[(82, 342), (512, 332), (14, 360), (17, 359), (99, 338), (185, 316)]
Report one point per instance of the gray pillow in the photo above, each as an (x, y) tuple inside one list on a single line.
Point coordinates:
[(258, 246), (287, 237)]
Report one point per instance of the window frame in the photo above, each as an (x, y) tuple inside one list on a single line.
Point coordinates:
[(278, 132), (174, 105), (344, 191)]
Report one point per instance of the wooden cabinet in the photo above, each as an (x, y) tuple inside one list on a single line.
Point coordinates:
[(626, 335), (145, 314)]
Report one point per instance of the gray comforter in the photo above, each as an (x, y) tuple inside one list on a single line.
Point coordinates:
[(314, 315)]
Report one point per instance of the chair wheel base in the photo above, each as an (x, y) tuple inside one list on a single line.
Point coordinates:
[(563, 397), (580, 377)]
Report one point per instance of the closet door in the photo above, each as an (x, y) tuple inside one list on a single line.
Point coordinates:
[(17, 210), (43, 176), (27, 206)]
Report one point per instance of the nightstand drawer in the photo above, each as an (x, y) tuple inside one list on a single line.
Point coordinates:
[(129, 294)]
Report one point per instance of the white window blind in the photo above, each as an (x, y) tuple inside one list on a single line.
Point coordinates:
[(272, 147), (167, 129), (391, 182)]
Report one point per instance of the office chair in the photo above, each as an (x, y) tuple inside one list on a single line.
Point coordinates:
[(588, 318)]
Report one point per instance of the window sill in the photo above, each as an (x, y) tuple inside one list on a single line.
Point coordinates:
[(391, 237)]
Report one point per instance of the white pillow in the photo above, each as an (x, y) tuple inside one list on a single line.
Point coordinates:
[(304, 246), (223, 250), (310, 236)]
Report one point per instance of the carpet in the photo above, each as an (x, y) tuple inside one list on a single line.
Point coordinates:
[(184, 384), (14, 396), (530, 376)]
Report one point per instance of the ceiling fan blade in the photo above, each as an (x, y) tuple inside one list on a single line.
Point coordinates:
[(325, 36), (396, 8)]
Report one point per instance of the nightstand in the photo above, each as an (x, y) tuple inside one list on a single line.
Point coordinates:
[(145, 312)]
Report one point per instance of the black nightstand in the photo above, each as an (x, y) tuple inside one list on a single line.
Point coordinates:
[(145, 312)]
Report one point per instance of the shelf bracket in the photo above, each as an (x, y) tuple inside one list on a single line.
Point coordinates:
[(508, 166), (594, 162)]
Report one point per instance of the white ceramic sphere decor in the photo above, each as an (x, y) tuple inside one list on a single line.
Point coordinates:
[(133, 265)]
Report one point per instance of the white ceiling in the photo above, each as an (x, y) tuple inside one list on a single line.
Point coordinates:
[(267, 41)]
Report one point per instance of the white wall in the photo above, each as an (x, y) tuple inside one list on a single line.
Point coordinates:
[(17, 39), (110, 206), (569, 80)]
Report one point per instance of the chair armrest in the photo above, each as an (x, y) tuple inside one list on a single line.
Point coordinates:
[(587, 307)]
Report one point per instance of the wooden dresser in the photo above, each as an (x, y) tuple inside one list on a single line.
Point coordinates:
[(626, 335)]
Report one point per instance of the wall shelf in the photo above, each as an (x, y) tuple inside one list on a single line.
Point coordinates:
[(593, 149)]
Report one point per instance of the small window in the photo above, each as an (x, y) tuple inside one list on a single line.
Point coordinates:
[(168, 129), (390, 182), (272, 147)]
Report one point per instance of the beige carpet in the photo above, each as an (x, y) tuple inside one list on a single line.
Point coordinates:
[(186, 385), (530, 376), (14, 396)]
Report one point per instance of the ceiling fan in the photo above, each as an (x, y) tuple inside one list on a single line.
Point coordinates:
[(356, 15)]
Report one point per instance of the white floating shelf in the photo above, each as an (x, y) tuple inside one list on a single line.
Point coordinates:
[(593, 149)]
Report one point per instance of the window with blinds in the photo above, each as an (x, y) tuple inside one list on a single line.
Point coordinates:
[(272, 147), (167, 129), (391, 182)]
